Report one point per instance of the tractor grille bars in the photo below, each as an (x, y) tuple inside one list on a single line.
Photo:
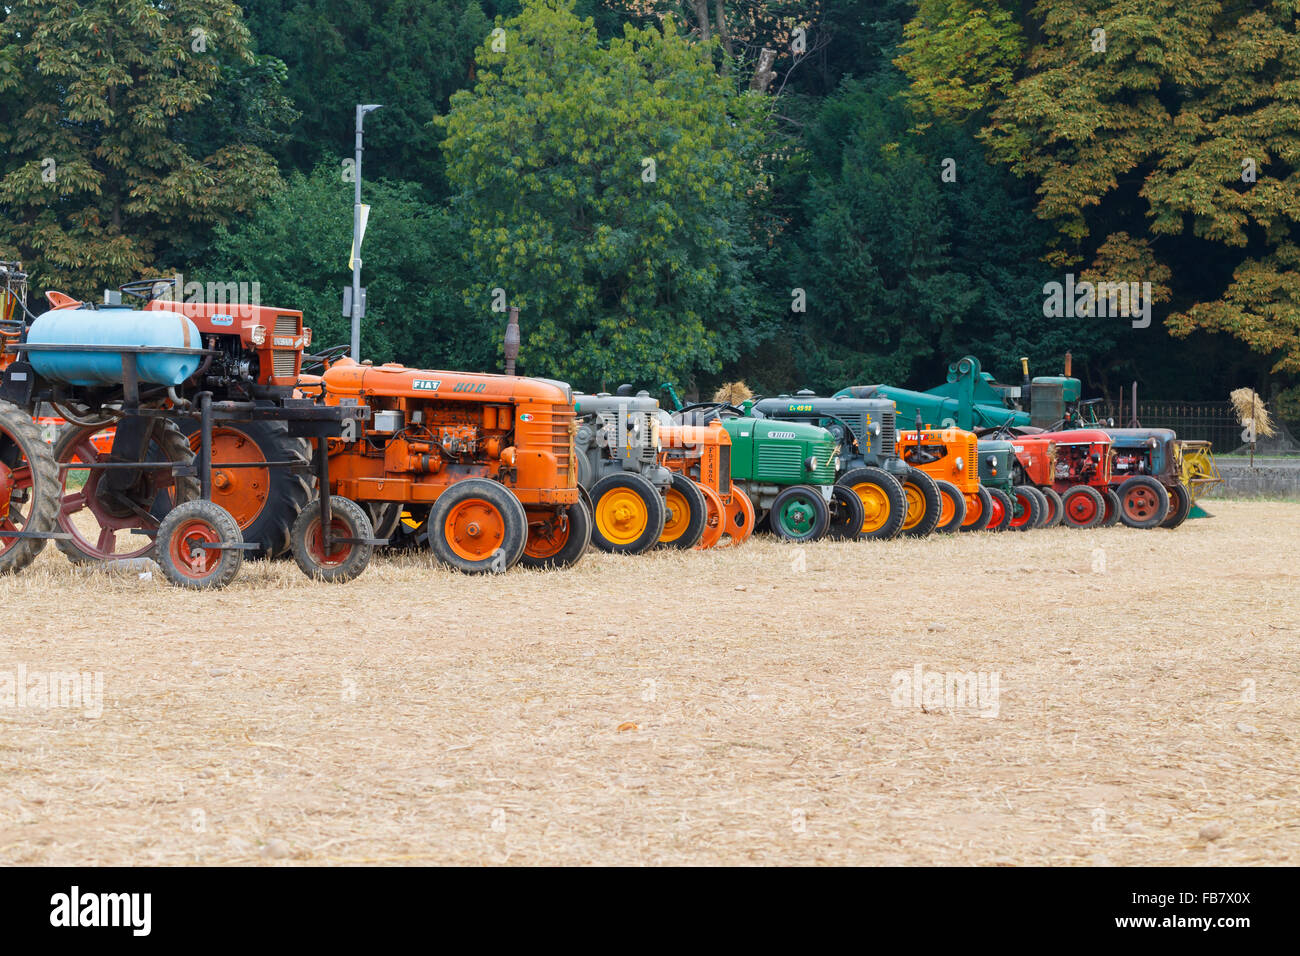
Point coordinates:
[(285, 361)]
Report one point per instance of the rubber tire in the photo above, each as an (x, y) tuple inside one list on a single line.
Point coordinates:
[(585, 473), (952, 493), (289, 492), (513, 515), (1043, 505), (986, 512), (893, 491), (1162, 502), (1180, 506), (933, 505), (385, 518), (574, 547), (739, 518), (715, 522), (1029, 500), (43, 507), (1056, 512), (698, 513), (846, 514), (1089, 492), (1112, 509), (1004, 504), (221, 521), (656, 512), (821, 514), (356, 524), (172, 444)]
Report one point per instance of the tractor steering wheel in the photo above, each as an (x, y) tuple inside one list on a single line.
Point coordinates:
[(146, 289), (717, 407), (321, 360)]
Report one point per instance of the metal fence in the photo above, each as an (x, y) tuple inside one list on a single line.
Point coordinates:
[(1212, 421)]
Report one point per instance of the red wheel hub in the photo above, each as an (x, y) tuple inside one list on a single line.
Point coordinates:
[(338, 552), (1022, 519), (1141, 503), (6, 490), (192, 561), (996, 512), (1082, 509)]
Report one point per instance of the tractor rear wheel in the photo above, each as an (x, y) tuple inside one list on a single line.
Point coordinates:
[(557, 540), (1027, 510), (800, 514), (182, 535), (1112, 508), (1055, 507), (629, 514), (265, 501), (385, 517), (846, 514), (979, 510), (1180, 506), (115, 511), (1144, 502), (29, 488), (1083, 507), (884, 506), (1002, 511), (953, 510), (686, 513), (715, 520), (342, 562), (924, 506), (477, 526)]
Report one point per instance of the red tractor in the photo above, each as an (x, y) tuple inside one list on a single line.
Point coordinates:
[(1072, 470)]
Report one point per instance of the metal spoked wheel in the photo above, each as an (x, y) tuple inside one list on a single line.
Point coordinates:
[(29, 495)]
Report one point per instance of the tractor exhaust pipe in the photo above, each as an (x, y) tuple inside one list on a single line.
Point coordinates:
[(1069, 362), (512, 339)]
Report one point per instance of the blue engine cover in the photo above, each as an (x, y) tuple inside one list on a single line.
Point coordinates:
[(123, 328)]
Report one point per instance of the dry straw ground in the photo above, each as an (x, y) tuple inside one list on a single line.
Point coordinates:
[(1147, 707)]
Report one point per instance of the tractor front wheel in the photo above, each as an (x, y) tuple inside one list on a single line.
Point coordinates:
[(686, 514), (953, 507), (715, 520), (739, 518), (1002, 512), (979, 510), (29, 488), (1180, 506), (846, 514), (884, 506), (343, 561), (1027, 512), (477, 526), (629, 514), (184, 542), (1083, 507), (924, 506), (557, 540), (1112, 509), (800, 514), (1144, 502), (1055, 507)]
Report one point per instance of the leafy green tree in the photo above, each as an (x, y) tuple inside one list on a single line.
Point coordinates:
[(110, 164), (296, 245), (607, 190)]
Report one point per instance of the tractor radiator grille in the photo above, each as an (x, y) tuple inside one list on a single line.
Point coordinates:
[(562, 443), (778, 461), (972, 458), (285, 362), (824, 452), (887, 434), (724, 470), (286, 325)]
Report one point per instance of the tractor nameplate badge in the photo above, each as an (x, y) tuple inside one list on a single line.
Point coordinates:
[(426, 384)]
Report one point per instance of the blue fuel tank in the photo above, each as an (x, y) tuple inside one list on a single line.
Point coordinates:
[(122, 328)]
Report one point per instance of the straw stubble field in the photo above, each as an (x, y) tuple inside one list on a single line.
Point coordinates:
[(1147, 698)]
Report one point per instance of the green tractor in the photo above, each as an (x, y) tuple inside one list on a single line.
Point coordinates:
[(786, 468)]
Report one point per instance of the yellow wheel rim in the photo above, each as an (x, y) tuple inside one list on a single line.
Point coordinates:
[(621, 516), (678, 518), (915, 506), (875, 506)]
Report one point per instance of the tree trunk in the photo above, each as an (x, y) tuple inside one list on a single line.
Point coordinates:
[(763, 72), (702, 16)]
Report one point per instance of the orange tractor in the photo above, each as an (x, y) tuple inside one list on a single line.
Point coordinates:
[(951, 457), (702, 454), (484, 463)]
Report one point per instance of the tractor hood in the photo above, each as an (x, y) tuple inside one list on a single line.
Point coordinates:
[(345, 378)]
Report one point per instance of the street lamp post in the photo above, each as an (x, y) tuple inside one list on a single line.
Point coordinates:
[(362, 110)]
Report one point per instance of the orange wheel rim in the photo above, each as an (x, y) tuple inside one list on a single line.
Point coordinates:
[(241, 491), (915, 506), (547, 536), (315, 544), (715, 518), (947, 508), (191, 561), (678, 517), (974, 509), (474, 529)]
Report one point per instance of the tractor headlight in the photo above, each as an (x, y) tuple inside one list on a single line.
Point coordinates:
[(258, 334), (811, 463), (959, 463), (306, 337)]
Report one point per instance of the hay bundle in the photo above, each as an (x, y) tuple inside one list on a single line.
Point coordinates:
[(1250, 407), (733, 393)]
